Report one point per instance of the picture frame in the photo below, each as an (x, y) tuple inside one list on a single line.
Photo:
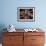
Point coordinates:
[(26, 14)]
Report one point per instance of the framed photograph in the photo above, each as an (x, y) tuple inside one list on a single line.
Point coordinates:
[(26, 14)]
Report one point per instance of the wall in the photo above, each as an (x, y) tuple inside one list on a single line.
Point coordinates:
[(8, 13)]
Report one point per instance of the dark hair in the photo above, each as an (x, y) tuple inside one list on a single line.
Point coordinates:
[(22, 9), (31, 10)]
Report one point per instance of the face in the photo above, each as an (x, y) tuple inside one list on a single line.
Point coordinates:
[(22, 13), (30, 14)]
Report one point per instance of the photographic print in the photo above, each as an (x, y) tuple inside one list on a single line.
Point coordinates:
[(26, 14)]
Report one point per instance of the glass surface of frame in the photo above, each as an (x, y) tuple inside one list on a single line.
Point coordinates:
[(26, 14)]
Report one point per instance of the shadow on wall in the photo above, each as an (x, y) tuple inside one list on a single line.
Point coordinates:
[(2, 27)]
